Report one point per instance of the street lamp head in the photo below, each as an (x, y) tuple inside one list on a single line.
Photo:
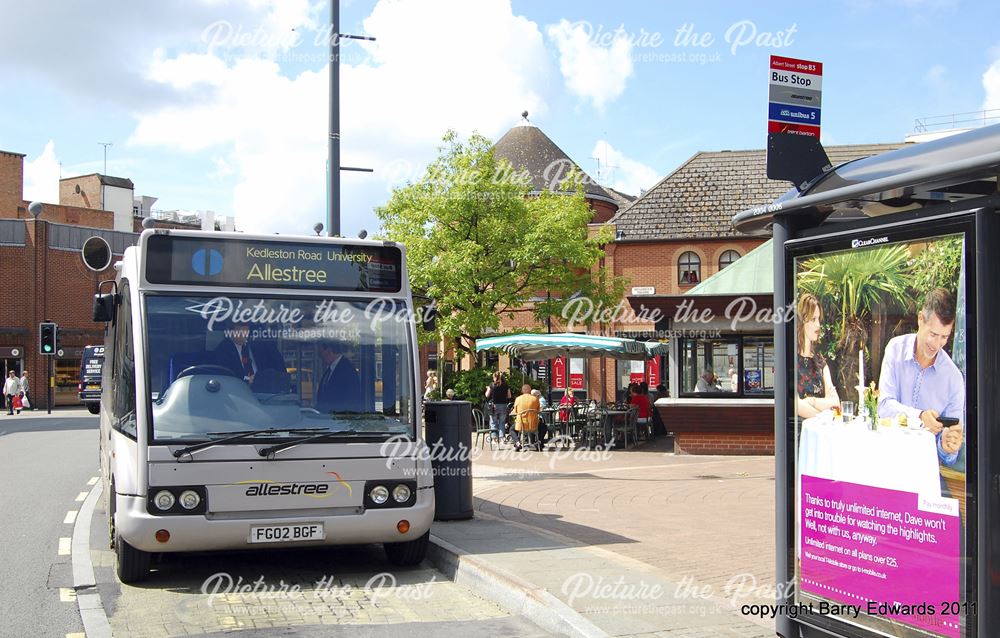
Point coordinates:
[(149, 222), (362, 234), (318, 228), (35, 208)]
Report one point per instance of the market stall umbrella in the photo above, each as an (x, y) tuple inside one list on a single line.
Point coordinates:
[(538, 347)]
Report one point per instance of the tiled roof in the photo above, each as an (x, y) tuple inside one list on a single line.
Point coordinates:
[(526, 147), (624, 199), (700, 198)]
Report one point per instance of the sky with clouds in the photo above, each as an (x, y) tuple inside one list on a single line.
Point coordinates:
[(222, 104)]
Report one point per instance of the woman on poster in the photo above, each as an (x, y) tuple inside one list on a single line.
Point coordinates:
[(814, 385)]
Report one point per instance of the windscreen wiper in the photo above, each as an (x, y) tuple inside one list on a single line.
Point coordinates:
[(271, 449), (235, 436)]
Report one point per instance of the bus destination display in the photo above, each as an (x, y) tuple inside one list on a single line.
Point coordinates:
[(255, 263)]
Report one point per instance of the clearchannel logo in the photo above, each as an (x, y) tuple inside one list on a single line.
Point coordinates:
[(861, 243), (206, 262)]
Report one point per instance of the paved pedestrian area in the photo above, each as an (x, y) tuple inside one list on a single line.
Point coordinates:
[(641, 542), (274, 592)]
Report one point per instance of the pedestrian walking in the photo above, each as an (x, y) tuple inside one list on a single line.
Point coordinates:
[(497, 400), (12, 390), (26, 392)]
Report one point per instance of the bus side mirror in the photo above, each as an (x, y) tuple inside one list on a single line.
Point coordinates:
[(104, 306), (428, 317)]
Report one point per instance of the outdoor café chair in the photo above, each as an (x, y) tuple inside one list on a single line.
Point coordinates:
[(594, 427), (627, 426), (528, 420), (482, 432), (578, 420)]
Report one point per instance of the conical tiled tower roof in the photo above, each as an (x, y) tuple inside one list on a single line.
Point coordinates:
[(527, 148)]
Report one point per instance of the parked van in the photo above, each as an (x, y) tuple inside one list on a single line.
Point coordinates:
[(90, 377)]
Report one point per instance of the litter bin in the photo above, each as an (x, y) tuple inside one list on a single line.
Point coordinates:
[(448, 432)]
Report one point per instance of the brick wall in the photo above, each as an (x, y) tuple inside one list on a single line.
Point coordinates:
[(720, 429), (655, 263), (50, 285), (11, 183), (603, 211), (730, 444), (89, 195)]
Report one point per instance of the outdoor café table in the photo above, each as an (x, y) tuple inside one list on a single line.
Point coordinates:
[(609, 418), (550, 417), (892, 458)]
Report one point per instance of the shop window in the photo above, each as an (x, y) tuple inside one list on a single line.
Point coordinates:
[(67, 376), (689, 268), (735, 366), (758, 366)]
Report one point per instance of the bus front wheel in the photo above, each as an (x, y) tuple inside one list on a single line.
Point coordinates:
[(131, 564), (408, 553)]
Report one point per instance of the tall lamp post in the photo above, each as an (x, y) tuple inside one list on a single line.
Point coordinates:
[(35, 209), (333, 203)]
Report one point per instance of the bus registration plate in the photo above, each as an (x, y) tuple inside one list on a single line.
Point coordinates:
[(287, 533)]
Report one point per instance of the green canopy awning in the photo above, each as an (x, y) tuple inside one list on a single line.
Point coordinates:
[(537, 347)]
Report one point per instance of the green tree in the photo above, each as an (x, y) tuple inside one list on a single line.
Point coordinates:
[(470, 385), (481, 246)]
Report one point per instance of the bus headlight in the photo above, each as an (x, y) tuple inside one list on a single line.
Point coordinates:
[(401, 493), (379, 494), (164, 500), (189, 499)]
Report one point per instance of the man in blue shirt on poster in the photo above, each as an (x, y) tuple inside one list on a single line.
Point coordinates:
[(920, 380)]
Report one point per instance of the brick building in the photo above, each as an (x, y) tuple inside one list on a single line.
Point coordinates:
[(675, 244), (667, 241), (46, 277)]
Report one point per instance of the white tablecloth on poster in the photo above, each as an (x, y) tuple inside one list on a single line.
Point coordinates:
[(891, 458)]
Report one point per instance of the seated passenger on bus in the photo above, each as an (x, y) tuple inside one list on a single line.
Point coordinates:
[(339, 386), (257, 362)]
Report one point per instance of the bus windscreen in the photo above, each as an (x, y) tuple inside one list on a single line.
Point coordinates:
[(273, 264)]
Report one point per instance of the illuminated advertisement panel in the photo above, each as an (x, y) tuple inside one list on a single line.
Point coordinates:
[(880, 409)]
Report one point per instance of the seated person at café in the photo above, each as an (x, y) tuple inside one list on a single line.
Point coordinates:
[(566, 404), (525, 411), (641, 402), (543, 426)]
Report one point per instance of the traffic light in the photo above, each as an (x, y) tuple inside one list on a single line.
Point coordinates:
[(47, 335)]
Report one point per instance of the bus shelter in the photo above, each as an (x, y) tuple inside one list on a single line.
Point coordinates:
[(886, 447)]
